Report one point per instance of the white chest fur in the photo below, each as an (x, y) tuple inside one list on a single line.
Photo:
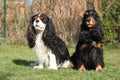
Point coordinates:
[(41, 51), (44, 55), (40, 46)]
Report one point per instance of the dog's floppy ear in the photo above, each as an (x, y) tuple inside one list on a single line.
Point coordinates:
[(31, 34), (49, 30), (83, 25), (49, 34)]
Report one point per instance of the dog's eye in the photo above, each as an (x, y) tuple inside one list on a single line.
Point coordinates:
[(41, 18)]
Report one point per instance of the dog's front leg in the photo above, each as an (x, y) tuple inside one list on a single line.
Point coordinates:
[(53, 63)]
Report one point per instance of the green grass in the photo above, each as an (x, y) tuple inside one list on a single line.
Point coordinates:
[(15, 60)]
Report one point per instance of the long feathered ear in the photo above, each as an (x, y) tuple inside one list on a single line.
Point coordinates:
[(49, 33), (31, 34), (49, 30), (83, 25), (99, 24)]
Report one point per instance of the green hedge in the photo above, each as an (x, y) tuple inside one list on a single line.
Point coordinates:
[(110, 19)]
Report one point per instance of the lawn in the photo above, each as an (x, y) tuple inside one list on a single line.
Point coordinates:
[(15, 60)]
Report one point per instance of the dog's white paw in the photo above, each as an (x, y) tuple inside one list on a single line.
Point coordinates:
[(38, 67), (34, 64), (53, 68)]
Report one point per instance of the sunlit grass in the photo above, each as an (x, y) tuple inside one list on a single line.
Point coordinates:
[(15, 60)]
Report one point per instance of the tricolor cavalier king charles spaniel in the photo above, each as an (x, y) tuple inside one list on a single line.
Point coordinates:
[(50, 50), (89, 52)]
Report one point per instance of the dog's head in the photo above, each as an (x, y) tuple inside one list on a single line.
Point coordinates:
[(39, 22), (90, 18)]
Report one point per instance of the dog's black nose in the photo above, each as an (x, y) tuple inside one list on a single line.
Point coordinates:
[(37, 21)]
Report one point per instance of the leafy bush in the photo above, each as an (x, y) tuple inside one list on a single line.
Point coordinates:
[(111, 19)]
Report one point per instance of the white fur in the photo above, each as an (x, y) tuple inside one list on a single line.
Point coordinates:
[(39, 25), (44, 55), (53, 63), (66, 64), (39, 14), (93, 43)]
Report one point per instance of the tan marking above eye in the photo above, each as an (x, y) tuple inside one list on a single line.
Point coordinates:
[(86, 13), (35, 17), (41, 17)]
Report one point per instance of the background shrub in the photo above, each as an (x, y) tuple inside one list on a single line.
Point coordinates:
[(65, 14), (110, 10)]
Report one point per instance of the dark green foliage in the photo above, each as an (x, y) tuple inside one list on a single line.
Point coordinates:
[(110, 10)]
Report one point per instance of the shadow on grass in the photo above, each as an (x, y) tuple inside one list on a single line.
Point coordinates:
[(22, 62)]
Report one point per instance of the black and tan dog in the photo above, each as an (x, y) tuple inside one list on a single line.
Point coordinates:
[(89, 52)]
